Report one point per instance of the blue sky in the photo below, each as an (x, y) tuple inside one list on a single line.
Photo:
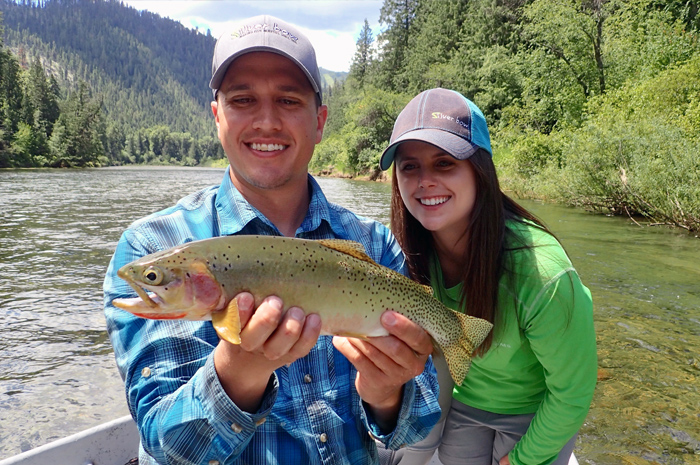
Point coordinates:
[(332, 26)]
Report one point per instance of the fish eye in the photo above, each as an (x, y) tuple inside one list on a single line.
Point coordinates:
[(153, 276)]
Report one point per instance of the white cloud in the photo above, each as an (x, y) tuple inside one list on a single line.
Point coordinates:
[(332, 26)]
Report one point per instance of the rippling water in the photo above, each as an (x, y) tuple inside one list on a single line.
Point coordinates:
[(58, 230)]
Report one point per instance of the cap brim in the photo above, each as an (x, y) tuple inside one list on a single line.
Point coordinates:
[(451, 144)]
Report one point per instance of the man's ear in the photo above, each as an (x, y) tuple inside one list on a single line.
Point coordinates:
[(321, 118), (215, 112)]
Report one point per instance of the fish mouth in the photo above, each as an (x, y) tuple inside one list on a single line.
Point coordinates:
[(144, 301), (145, 297)]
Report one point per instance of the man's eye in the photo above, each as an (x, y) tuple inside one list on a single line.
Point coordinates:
[(239, 100), (287, 101)]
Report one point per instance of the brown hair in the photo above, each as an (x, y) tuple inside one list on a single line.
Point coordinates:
[(486, 256)]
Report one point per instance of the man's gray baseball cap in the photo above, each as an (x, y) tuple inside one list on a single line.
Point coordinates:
[(265, 34)]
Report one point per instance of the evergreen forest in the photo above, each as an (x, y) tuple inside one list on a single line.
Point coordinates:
[(592, 103)]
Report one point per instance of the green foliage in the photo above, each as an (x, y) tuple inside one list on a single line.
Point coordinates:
[(367, 121), (362, 61), (146, 74), (77, 136), (591, 103), (636, 153)]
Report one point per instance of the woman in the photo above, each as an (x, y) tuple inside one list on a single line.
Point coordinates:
[(531, 383)]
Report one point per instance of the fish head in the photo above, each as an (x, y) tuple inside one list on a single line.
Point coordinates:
[(170, 289)]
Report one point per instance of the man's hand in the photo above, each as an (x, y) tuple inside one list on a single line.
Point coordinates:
[(270, 338), (385, 364)]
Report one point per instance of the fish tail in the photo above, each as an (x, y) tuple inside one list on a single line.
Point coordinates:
[(227, 323), (458, 352)]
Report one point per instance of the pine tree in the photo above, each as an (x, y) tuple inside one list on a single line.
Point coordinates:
[(362, 61), (78, 136), (398, 15)]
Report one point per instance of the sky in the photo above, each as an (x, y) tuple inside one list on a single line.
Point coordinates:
[(332, 26)]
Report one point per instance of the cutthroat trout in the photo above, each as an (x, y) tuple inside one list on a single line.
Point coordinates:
[(335, 279)]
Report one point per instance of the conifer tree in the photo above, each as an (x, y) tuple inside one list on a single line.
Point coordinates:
[(77, 139), (362, 61)]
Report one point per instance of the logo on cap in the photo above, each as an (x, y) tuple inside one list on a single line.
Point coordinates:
[(440, 115), (263, 27)]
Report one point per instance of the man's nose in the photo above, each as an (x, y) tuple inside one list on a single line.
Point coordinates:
[(267, 117)]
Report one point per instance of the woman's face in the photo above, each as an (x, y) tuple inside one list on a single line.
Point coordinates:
[(437, 189)]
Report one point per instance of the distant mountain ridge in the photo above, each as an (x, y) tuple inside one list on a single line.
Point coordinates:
[(148, 70)]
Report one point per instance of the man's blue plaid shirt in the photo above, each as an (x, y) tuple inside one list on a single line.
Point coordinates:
[(311, 413)]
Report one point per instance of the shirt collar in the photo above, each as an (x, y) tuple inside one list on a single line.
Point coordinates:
[(236, 215)]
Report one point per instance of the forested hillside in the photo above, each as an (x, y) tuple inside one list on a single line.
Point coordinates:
[(594, 103), (146, 77)]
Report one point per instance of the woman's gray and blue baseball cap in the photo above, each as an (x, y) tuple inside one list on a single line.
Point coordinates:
[(265, 33), (443, 118)]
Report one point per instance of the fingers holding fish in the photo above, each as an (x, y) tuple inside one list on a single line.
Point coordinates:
[(379, 380), (409, 333), (384, 363), (262, 323), (295, 336), (246, 307)]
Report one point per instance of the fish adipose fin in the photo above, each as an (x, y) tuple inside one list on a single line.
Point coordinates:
[(352, 248), (227, 323), (458, 353)]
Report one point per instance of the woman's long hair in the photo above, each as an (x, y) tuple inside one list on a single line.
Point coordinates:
[(486, 253)]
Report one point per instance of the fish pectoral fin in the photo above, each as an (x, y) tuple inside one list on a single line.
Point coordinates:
[(227, 323), (351, 248)]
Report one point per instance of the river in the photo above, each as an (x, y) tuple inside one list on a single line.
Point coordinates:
[(58, 230)]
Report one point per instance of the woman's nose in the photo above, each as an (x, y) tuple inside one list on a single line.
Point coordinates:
[(426, 179)]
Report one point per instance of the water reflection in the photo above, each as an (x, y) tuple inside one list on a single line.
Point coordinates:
[(58, 229)]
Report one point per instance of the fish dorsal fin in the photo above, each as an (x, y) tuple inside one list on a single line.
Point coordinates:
[(352, 248), (427, 289)]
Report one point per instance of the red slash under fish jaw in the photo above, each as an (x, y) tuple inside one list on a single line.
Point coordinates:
[(161, 316)]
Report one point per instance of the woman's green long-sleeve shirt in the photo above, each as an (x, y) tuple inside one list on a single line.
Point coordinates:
[(543, 358)]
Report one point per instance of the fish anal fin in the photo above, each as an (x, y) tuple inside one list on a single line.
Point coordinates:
[(227, 323), (352, 248)]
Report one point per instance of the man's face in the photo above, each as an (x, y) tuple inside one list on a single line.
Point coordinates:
[(268, 121)]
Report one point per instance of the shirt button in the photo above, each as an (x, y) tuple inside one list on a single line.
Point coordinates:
[(213, 462), (261, 421), (146, 372), (323, 437), (236, 428), (307, 379)]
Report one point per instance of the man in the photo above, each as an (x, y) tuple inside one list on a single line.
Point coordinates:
[(284, 395)]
